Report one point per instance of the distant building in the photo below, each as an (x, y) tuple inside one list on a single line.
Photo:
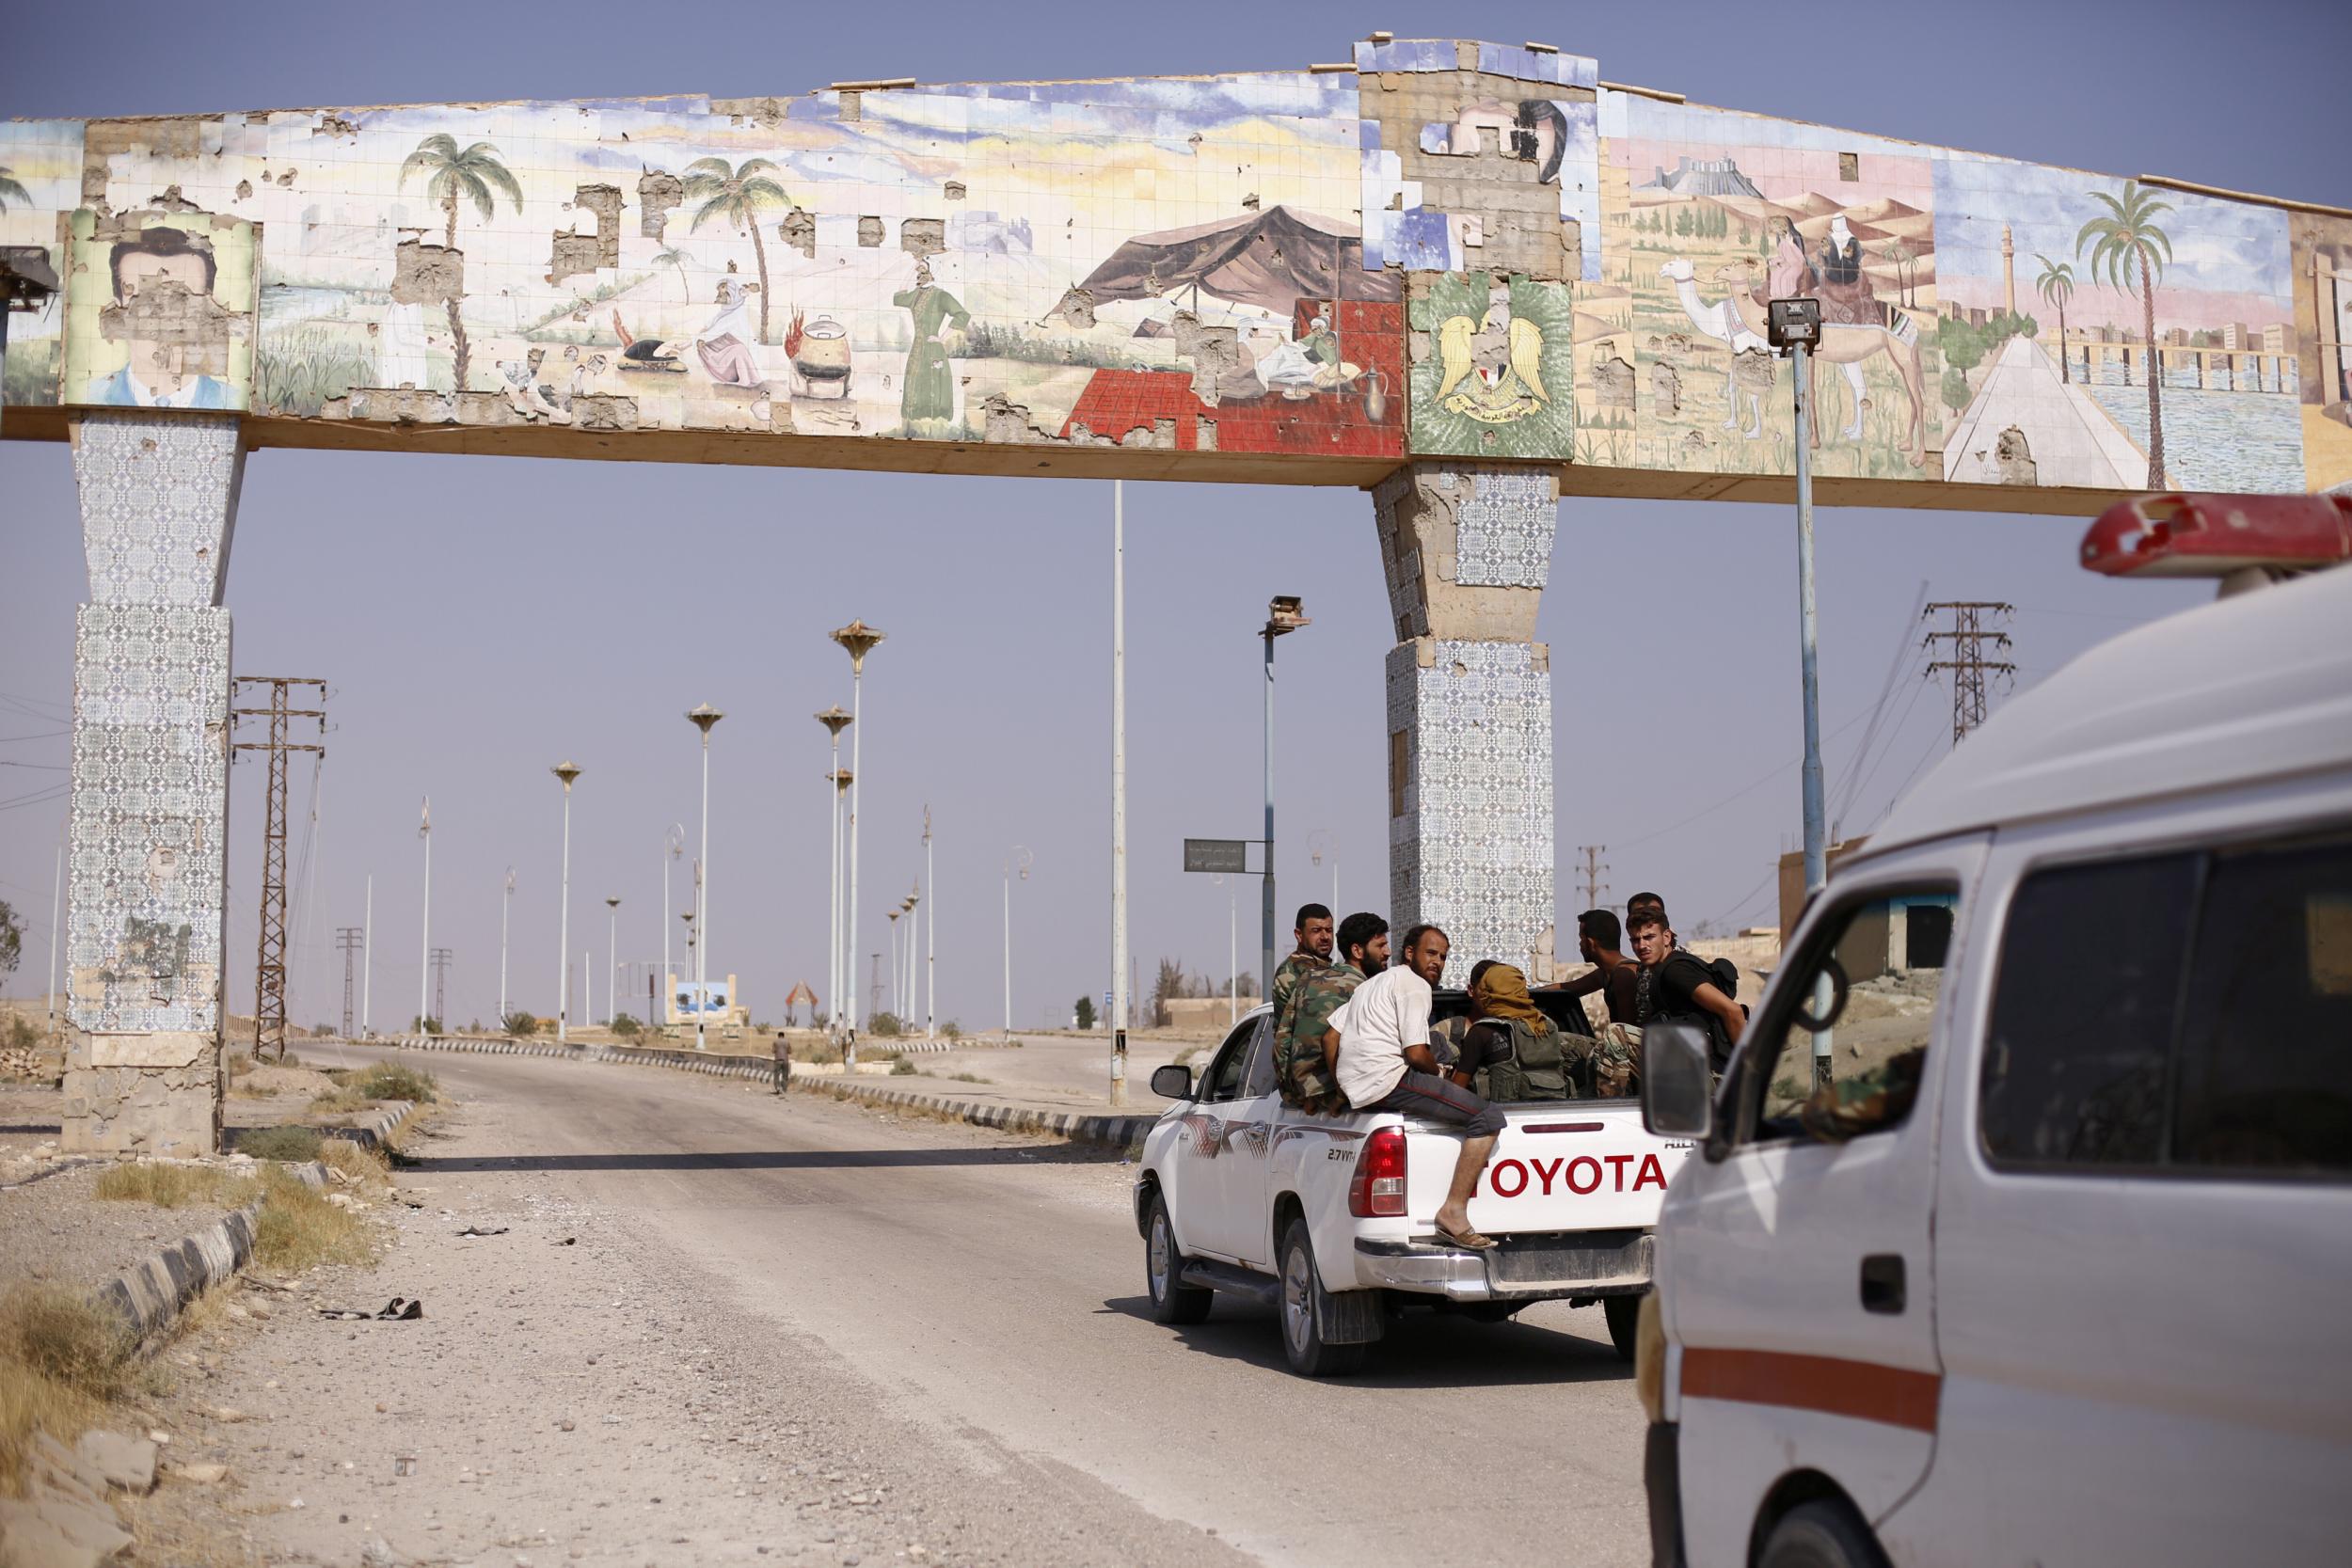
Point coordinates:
[(1701, 177), (2235, 336), (2177, 337), (2275, 339)]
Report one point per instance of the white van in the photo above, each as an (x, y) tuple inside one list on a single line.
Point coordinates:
[(2062, 1273)]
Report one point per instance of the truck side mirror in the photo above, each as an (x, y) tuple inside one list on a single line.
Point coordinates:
[(1678, 1092), (1173, 1081)]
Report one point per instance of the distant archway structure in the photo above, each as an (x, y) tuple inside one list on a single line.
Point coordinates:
[(1450, 272)]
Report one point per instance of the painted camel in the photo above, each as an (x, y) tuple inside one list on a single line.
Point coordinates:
[(1849, 346), (1720, 321)]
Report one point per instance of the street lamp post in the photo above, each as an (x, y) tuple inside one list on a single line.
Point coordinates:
[(702, 716), (673, 846), (930, 938), (843, 980), (1795, 325), (1282, 617), (834, 721), (915, 900), (425, 973), (506, 904), (859, 639), (566, 770), (611, 959), (1119, 793), (1017, 856), (897, 972)]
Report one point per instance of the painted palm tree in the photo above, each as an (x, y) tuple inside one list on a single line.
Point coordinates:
[(737, 193), (10, 190), (670, 256), (2125, 246), (473, 173), (2057, 285)]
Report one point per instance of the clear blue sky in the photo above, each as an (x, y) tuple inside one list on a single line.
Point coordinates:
[(482, 618)]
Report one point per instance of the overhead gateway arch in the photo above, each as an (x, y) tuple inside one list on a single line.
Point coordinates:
[(1467, 276)]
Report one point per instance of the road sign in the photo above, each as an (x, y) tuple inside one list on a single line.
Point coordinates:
[(1227, 855)]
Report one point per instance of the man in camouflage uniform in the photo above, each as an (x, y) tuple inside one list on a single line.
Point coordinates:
[(1314, 935), (1872, 1101), (1303, 1074)]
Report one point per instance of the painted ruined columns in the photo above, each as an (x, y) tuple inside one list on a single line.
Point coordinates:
[(145, 900), (1466, 549)]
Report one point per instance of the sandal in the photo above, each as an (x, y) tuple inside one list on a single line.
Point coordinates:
[(1469, 1240)]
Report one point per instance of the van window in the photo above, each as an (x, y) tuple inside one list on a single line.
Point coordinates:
[(1876, 971), (2264, 1080), (2083, 1013)]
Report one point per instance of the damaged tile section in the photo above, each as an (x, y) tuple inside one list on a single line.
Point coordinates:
[(427, 274), (658, 196)]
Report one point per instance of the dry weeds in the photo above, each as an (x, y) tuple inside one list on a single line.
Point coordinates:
[(176, 1186)]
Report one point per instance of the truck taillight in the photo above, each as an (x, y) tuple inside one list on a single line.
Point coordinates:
[(1378, 1190)]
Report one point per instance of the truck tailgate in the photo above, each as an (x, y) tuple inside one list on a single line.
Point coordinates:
[(1559, 1165)]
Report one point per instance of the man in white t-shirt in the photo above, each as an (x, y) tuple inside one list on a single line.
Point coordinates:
[(1378, 1045)]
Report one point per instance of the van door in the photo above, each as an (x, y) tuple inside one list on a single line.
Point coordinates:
[(2144, 1231), (1803, 1296)]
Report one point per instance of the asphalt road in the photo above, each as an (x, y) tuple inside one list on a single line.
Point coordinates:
[(991, 1285)]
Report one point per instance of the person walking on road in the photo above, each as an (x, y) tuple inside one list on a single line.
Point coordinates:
[(1378, 1048), (784, 1062)]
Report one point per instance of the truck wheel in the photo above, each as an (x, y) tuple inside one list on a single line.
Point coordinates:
[(1172, 1300), (1302, 1311), (1824, 1533), (1624, 1319)]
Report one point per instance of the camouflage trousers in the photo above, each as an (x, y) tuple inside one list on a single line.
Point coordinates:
[(1305, 1080), (1610, 1063)]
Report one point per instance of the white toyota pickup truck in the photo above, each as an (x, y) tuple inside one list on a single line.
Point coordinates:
[(1332, 1219)]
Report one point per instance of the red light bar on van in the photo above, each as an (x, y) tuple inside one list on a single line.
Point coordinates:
[(2211, 536)]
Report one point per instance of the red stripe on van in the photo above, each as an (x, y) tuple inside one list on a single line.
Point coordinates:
[(1864, 1390)]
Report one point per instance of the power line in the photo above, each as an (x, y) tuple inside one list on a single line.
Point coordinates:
[(1968, 635), (441, 959), (352, 939), (1594, 866)]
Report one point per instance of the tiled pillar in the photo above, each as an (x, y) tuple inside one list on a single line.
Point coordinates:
[(1467, 547), (151, 779)]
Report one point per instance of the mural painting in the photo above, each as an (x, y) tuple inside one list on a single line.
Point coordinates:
[(2054, 283), (2321, 249), (1713, 213), (41, 176), (1451, 248)]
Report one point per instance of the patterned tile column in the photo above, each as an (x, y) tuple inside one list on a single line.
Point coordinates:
[(150, 803), (1468, 549)]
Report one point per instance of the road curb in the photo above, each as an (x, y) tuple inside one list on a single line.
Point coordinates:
[(1111, 1131), (150, 1295)]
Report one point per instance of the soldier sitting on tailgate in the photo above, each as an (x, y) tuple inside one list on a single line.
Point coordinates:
[(1509, 1051), (1302, 1073)]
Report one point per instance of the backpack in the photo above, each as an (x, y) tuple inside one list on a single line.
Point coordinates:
[(1536, 1068)]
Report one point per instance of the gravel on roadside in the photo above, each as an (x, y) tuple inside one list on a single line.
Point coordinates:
[(61, 1231)]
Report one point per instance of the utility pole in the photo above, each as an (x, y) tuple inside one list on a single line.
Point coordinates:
[(1968, 635), (1594, 866), (930, 936), (367, 957), (352, 939), (1119, 785), (269, 970), (505, 902), (873, 999), (441, 957)]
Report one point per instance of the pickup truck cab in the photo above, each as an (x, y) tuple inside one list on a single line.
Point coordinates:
[(2061, 1276), (1332, 1218)]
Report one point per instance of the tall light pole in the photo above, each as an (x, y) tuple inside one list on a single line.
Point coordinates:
[(1319, 843), (843, 980), (930, 936), (915, 900), (834, 721), (1119, 792), (367, 958), (1282, 617), (673, 846), (57, 897), (425, 970), (897, 972), (566, 770), (1795, 325), (702, 716), (859, 639), (612, 958), (1016, 855), (506, 902)]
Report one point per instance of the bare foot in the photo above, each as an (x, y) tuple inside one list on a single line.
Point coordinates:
[(1453, 1217)]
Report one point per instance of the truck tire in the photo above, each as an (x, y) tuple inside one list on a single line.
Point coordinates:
[(1302, 1308), (1172, 1300), (1625, 1321), (1823, 1533)]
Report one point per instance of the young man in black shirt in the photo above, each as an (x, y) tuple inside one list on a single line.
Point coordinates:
[(1678, 986)]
